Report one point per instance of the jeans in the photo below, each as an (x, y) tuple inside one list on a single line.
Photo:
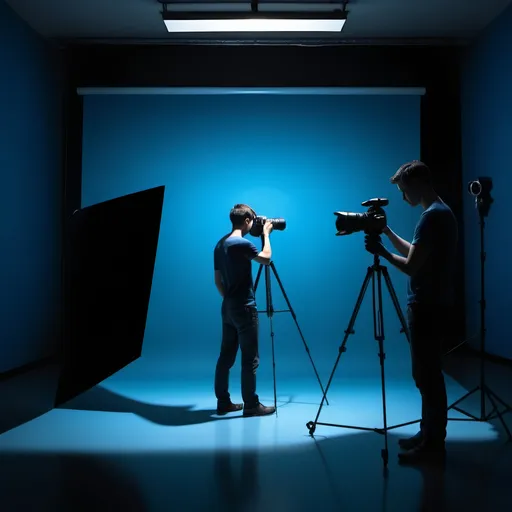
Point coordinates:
[(426, 324), (239, 328)]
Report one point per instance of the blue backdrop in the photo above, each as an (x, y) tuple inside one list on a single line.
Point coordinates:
[(300, 157), (486, 135)]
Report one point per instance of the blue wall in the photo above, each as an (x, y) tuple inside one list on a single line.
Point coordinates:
[(301, 157), (487, 136), (30, 194)]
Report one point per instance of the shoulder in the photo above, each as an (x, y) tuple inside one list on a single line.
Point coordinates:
[(221, 242), (248, 245), (240, 240), (235, 244), (438, 217), (438, 211), (445, 213)]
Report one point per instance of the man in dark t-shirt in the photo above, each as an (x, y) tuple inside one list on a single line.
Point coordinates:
[(232, 259), (429, 261)]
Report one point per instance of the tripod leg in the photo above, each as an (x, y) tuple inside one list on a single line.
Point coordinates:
[(273, 363), (270, 314), (258, 275), (378, 316), (350, 330), (396, 303), (498, 413), (401, 318), (462, 398), (496, 397), (294, 316)]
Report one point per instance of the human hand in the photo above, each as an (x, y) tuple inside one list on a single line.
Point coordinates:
[(268, 227), (373, 245)]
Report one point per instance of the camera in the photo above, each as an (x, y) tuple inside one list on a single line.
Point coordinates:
[(259, 222), (371, 222)]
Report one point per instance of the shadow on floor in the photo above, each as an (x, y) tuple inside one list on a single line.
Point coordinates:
[(102, 399), (337, 470)]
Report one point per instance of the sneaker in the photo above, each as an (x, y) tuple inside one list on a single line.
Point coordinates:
[(229, 407), (259, 410), (411, 442)]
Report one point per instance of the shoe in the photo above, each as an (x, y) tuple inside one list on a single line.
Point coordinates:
[(227, 408), (259, 410), (424, 453), (411, 442)]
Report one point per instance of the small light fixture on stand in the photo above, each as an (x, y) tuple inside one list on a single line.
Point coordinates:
[(253, 21), (480, 189)]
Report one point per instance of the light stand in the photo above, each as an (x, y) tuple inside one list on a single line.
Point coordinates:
[(481, 189), (270, 313), (375, 271)]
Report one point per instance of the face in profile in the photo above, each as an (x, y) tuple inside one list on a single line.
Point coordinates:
[(409, 194), (247, 226)]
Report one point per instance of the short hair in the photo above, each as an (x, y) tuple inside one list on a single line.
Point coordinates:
[(412, 171), (239, 213)]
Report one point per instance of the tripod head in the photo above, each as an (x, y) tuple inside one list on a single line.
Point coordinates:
[(374, 237)]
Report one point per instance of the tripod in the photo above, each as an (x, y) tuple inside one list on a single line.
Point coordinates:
[(375, 271), (484, 390), (270, 313)]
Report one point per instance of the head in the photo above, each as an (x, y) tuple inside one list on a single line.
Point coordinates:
[(414, 180), (242, 217)]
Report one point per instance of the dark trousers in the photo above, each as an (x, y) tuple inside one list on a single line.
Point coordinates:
[(426, 329), (239, 328)]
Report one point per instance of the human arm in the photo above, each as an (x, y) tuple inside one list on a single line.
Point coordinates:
[(218, 283), (419, 250), (217, 275), (265, 255), (409, 265), (401, 245)]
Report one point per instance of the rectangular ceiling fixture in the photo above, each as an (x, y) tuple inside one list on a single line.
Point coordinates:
[(254, 21)]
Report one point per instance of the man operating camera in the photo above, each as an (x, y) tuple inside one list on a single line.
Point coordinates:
[(233, 277), (429, 261)]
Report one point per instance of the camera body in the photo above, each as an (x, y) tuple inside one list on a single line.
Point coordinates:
[(371, 222), (259, 221)]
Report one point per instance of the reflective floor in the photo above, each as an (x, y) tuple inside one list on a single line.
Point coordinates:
[(158, 445)]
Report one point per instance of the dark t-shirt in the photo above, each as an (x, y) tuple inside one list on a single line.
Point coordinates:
[(433, 283), (232, 257)]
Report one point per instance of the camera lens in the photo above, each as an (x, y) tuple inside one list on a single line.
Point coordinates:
[(278, 224)]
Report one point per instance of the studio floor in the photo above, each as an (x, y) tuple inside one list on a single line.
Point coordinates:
[(159, 446)]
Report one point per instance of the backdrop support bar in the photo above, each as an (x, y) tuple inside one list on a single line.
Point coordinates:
[(327, 91)]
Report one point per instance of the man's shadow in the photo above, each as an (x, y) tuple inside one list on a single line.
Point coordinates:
[(102, 399)]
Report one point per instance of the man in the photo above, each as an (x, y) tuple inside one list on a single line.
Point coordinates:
[(233, 277), (429, 262)]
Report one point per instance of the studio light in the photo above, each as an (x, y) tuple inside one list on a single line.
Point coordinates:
[(254, 21)]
